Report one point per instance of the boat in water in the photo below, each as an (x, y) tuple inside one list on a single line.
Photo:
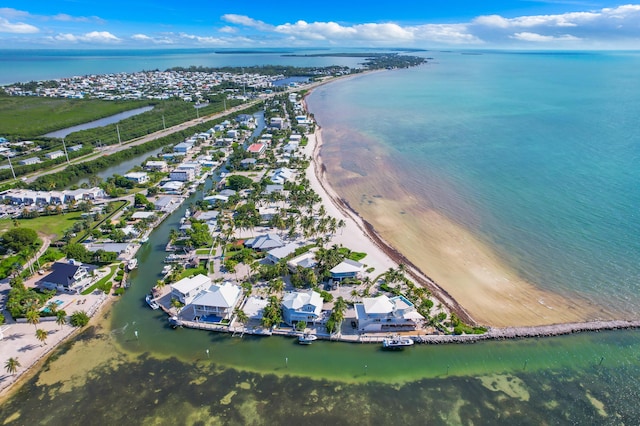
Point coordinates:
[(175, 322), (151, 302), (307, 339), (397, 342), (132, 264)]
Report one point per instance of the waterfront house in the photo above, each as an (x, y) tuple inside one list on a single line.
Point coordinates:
[(277, 254), (164, 203), (183, 147), (159, 166), (305, 260), (188, 288), (137, 177), (182, 174), (216, 303), (68, 276), (265, 242), (346, 269), (256, 149), (301, 306), (222, 196), (281, 175), (143, 215), (384, 314)]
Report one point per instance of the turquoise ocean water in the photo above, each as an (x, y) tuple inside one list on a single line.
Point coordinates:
[(539, 153), (521, 167)]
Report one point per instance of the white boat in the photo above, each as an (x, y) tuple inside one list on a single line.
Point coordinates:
[(151, 302), (132, 264), (397, 342), (166, 269), (144, 240), (307, 339)]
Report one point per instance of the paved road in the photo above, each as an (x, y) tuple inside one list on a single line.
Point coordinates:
[(108, 150), (165, 132)]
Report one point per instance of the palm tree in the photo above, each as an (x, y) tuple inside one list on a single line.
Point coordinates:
[(241, 316), (42, 335), (33, 317), (52, 307), (61, 318), (276, 286), (339, 308), (12, 365), (160, 283)]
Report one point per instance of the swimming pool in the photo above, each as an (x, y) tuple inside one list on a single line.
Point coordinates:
[(58, 302)]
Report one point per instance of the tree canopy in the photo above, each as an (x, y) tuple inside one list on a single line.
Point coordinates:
[(17, 239), (238, 182)]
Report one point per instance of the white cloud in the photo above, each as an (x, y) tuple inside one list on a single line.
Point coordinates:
[(141, 37), (99, 37), (539, 38), (16, 27), (246, 21), (155, 40), (374, 33), (599, 18), (68, 18), (228, 30), (10, 13)]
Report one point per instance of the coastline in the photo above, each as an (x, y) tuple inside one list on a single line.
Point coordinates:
[(361, 235), (463, 272)]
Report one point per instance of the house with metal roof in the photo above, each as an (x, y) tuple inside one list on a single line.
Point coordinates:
[(347, 269), (216, 303), (301, 306), (188, 288), (277, 254), (265, 242), (384, 314)]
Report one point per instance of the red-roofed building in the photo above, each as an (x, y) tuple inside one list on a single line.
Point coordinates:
[(257, 149)]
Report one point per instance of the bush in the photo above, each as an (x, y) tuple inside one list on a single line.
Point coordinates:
[(119, 291), (79, 319), (326, 296)]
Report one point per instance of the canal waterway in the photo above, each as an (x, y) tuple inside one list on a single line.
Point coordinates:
[(123, 167), (98, 123)]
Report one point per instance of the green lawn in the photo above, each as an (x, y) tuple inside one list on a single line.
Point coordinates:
[(49, 225), (104, 284), (29, 116)]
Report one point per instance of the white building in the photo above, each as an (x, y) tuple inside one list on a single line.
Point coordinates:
[(137, 177), (160, 166), (188, 288), (383, 314), (217, 301), (301, 306), (54, 154)]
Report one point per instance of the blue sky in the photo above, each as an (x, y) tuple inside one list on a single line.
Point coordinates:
[(515, 24)]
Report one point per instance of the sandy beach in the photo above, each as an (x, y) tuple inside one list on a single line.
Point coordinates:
[(19, 339), (393, 227)]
